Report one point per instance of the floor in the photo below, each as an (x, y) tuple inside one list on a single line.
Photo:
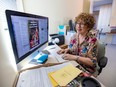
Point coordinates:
[(107, 77)]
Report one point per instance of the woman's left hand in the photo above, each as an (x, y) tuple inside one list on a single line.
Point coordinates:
[(69, 57)]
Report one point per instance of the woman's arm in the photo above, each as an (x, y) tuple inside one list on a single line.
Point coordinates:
[(79, 59), (86, 61), (90, 60)]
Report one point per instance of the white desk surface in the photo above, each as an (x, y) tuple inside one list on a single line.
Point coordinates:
[(52, 59)]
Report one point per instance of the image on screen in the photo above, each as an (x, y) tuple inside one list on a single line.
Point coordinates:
[(28, 32)]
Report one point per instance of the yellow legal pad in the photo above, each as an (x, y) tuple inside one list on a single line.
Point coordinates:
[(54, 83), (66, 74)]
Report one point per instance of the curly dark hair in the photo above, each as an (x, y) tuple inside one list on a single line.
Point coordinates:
[(87, 18)]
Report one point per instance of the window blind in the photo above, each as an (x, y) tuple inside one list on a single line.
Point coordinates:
[(6, 4)]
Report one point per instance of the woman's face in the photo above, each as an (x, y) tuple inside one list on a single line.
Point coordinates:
[(81, 28)]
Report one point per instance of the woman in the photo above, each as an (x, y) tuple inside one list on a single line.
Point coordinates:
[(83, 44)]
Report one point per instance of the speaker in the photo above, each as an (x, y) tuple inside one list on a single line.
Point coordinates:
[(71, 25), (60, 37)]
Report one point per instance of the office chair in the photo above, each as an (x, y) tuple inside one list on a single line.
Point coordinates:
[(101, 59)]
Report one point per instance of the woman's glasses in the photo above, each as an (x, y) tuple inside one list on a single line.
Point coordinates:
[(80, 24)]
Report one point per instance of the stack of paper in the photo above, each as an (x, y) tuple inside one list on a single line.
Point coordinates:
[(64, 75), (38, 77)]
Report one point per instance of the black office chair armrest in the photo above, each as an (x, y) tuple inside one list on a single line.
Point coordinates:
[(102, 62)]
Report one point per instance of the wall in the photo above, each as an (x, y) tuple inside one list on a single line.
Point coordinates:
[(8, 68), (86, 6), (7, 64), (113, 14), (58, 11)]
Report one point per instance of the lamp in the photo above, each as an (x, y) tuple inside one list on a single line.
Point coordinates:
[(56, 40), (53, 41)]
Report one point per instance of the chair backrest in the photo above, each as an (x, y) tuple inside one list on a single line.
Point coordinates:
[(102, 60), (101, 51)]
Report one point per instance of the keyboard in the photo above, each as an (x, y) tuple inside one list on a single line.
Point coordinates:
[(53, 51), (59, 57)]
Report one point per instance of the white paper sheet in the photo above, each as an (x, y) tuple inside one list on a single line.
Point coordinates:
[(37, 77)]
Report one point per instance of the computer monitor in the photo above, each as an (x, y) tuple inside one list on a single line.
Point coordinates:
[(28, 33)]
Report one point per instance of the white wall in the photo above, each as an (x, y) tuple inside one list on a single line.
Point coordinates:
[(8, 69), (7, 63), (113, 14), (58, 11)]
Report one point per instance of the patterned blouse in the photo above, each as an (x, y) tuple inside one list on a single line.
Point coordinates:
[(88, 48)]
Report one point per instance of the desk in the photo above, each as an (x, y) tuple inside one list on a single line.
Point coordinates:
[(110, 38), (52, 56), (52, 59)]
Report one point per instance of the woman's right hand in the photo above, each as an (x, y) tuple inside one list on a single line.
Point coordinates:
[(63, 51)]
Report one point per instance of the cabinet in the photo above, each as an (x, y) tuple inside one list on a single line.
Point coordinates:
[(110, 38), (113, 39)]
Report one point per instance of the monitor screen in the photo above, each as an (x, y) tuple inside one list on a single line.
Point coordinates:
[(28, 33)]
